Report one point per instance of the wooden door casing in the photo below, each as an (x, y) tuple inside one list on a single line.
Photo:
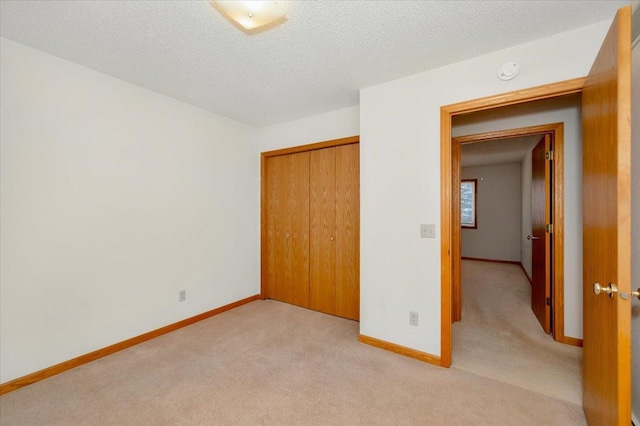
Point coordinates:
[(288, 228), (556, 132), (456, 249), (540, 244), (606, 114)]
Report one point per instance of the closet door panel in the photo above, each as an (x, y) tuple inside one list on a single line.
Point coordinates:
[(288, 228), (322, 288), (347, 240), (275, 181)]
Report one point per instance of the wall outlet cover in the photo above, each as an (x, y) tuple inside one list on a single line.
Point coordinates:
[(413, 318), (427, 231)]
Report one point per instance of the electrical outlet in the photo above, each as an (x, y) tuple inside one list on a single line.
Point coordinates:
[(182, 295), (413, 318), (427, 231)]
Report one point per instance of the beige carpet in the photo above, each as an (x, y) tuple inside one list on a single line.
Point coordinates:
[(274, 364), (499, 336)]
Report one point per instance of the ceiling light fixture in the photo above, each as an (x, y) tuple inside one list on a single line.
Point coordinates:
[(253, 16)]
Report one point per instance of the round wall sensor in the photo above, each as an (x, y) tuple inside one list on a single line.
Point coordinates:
[(508, 70)]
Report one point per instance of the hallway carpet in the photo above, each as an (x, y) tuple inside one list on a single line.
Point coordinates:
[(269, 363), (499, 336)]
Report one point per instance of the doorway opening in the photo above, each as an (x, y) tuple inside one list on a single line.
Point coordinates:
[(450, 249), (512, 234), (499, 333)]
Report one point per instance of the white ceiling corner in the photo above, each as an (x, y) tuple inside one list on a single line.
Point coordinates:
[(315, 62)]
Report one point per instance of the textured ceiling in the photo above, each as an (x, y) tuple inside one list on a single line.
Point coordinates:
[(502, 151), (315, 62)]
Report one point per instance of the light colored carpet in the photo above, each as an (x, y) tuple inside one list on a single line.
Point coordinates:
[(270, 363), (499, 336)]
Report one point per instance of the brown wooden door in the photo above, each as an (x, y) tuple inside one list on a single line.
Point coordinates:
[(322, 288), (311, 215), (347, 239), (335, 231), (540, 239), (606, 112), (288, 228)]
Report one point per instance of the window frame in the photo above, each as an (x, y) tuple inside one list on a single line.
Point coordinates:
[(474, 183)]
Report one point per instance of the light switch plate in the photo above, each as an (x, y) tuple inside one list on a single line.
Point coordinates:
[(427, 231)]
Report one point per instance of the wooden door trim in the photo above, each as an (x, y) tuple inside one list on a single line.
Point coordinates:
[(263, 193), (531, 94), (448, 231), (506, 134), (312, 146)]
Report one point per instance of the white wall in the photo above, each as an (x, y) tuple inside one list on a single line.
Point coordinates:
[(498, 213), (113, 198), (318, 128), (400, 176), (635, 228), (567, 110)]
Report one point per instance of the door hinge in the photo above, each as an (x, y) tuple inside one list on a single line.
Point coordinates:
[(548, 300), (548, 155), (549, 228)]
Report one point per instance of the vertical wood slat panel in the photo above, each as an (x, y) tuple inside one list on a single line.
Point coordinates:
[(273, 241), (347, 240), (288, 228), (322, 279), (299, 210)]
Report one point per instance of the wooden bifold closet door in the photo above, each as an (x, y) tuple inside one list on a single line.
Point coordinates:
[(312, 220), (288, 230)]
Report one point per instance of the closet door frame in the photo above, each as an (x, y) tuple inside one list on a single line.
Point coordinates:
[(264, 277)]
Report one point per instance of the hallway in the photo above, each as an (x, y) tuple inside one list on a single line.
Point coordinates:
[(500, 338)]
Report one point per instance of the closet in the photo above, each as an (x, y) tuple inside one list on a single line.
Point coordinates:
[(310, 227)]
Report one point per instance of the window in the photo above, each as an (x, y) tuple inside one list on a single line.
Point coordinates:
[(468, 203)]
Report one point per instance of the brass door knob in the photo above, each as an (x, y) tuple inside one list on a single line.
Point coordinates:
[(611, 290)]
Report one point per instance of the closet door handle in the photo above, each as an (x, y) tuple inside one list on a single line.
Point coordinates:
[(332, 238), (531, 237)]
